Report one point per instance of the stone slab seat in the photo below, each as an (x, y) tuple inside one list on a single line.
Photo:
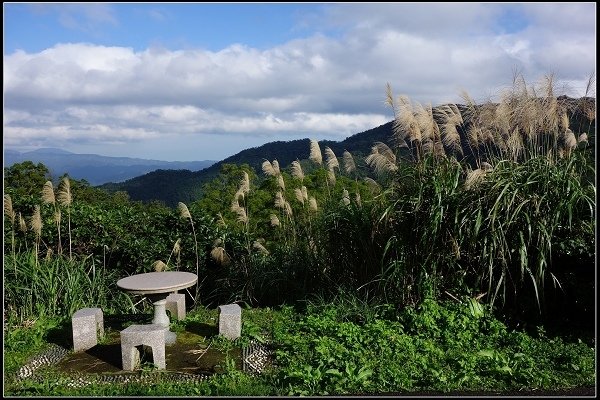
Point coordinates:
[(176, 305), (152, 335), (88, 326), (230, 321)]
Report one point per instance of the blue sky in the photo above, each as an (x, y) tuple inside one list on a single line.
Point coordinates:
[(195, 81)]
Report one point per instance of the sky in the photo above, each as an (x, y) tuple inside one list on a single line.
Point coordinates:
[(203, 81)]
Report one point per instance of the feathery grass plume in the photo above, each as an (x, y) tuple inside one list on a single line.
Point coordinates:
[(219, 255), (8, 209), (346, 197), (36, 227), (313, 204), (474, 178), (349, 164), (297, 170), (373, 185), (48, 193), (279, 200), (159, 266), (382, 159), (315, 152), (427, 124), (22, 224), (220, 220), (36, 222), (240, 211), (64, 193), (176, 251), (452, 118), (331, 177), (564, 121), (275, 220), (287, 208), (261, 249), (184, 212), (357, 198), (582, 139), (486, 166), (275, 164), (299, 196), (331, 160), (407, 121), (268, 169), (245, 183), (570, 142), (280, 182), (304, 192), (65, 199), (10, 213), (514, 145)]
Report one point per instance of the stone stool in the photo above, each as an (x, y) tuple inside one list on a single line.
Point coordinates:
[(152, 335), (176, 305), (230, 321), (88, 325)]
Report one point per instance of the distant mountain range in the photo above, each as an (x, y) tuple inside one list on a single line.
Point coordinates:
[(94, 168)]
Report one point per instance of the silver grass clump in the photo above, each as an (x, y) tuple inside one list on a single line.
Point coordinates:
[(313, 204), (8, 208), (280, 182), (268, 169), (331, 160), (36, 221), (382, 159), (159, 266), (48, 193), (373, 185), (219, 255), (245, 183), (474, 178), (261, 249), (279, 200), (346, 197), (315, 152), (349, 164), (64, 193), (184, 212), (275, 164), (297, 170), (22, 224), (331, 177), (275, 220), (299, 196), (287, 208)]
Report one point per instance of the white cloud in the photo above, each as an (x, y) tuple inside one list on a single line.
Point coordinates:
[(320, 85)]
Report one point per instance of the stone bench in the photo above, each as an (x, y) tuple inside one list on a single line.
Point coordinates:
[(176, 305), (152, 335), (230, 321), (88, 326)]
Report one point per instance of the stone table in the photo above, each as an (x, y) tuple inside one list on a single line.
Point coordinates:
[(157, 286)]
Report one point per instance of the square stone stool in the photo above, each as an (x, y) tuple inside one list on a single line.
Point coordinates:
[(230, 321), (152, 335), (88, 325), (176, 305)]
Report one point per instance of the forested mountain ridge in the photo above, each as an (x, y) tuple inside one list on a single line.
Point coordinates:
[(172, 187)]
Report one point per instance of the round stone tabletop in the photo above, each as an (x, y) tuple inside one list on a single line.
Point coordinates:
[(157, 282)]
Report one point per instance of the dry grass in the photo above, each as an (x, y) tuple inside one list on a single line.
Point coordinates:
[(65, 198), (48, 193), (8, 209)]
